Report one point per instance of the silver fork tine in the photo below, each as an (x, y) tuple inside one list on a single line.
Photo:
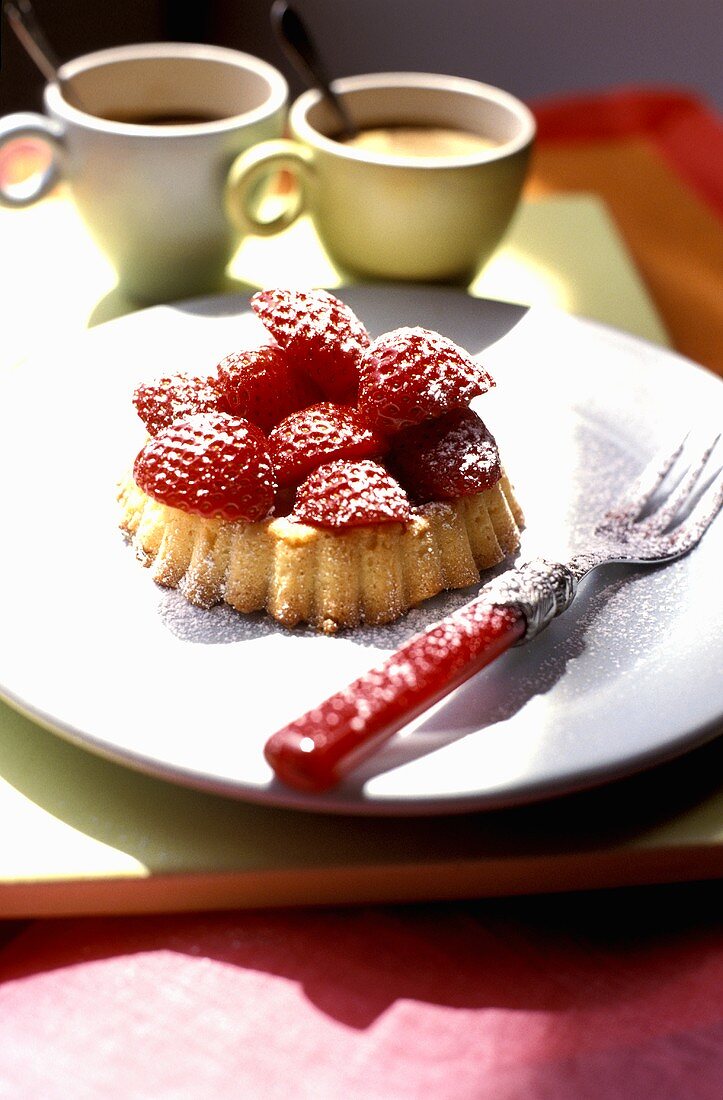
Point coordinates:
[(692, 529), (637, 495), (666, 513)]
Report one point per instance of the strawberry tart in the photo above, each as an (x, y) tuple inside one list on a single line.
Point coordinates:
[(324, 477)]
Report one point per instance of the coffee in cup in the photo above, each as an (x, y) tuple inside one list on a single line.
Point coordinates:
[(419, 141)]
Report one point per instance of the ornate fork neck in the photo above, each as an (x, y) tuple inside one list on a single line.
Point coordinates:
[(540, 590), (582, 564)]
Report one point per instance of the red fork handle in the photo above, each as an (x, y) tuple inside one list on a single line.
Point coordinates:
[(315, 751)]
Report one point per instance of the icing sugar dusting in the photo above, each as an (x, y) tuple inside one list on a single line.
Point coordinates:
[(219, 625)]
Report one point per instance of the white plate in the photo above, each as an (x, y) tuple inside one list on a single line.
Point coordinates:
[(90, 647)]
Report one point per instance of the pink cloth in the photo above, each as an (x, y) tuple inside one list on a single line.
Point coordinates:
[(582, 996)]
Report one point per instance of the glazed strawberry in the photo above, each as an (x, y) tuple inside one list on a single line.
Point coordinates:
[(350, 494), (260, 385), (319, 434), (452, 456), (412, 374), (211, 464), (177, 395), (322, 335)]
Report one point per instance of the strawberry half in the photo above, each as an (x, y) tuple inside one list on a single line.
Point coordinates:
[(412, 374), (319, 434), (261, 386), (177, 395), (323, 336), (211, 464), (351, 494), (453, 456)]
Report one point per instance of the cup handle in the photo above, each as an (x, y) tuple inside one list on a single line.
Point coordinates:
[(251, 169), (25, 124)]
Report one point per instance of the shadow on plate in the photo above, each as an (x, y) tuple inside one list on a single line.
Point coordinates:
[(116, 304), (441, 308), (381, 306)]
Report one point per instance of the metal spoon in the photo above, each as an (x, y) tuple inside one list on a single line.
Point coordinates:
[(24, 22), (302, 53)]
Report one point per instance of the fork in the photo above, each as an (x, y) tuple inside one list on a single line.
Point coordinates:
[(315, 751)]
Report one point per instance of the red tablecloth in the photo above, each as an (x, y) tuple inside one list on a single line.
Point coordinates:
[(597, 995), (614, 995), (656, 158)]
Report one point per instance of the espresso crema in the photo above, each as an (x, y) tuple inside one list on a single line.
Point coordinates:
[(420, 141)]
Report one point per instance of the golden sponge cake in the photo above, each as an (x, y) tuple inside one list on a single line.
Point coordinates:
[(330, 579)]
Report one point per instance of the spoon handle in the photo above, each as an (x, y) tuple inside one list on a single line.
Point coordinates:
[(23, 21), (301, 52)]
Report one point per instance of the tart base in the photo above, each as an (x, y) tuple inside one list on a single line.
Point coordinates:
[(329, 579)]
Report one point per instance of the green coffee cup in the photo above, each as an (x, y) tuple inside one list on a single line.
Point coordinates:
[(383, 213)]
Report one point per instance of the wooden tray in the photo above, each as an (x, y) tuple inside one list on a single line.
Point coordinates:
[(84, 835)]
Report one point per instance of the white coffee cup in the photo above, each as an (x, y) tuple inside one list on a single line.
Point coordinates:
[(384, 214), (152, 192)]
